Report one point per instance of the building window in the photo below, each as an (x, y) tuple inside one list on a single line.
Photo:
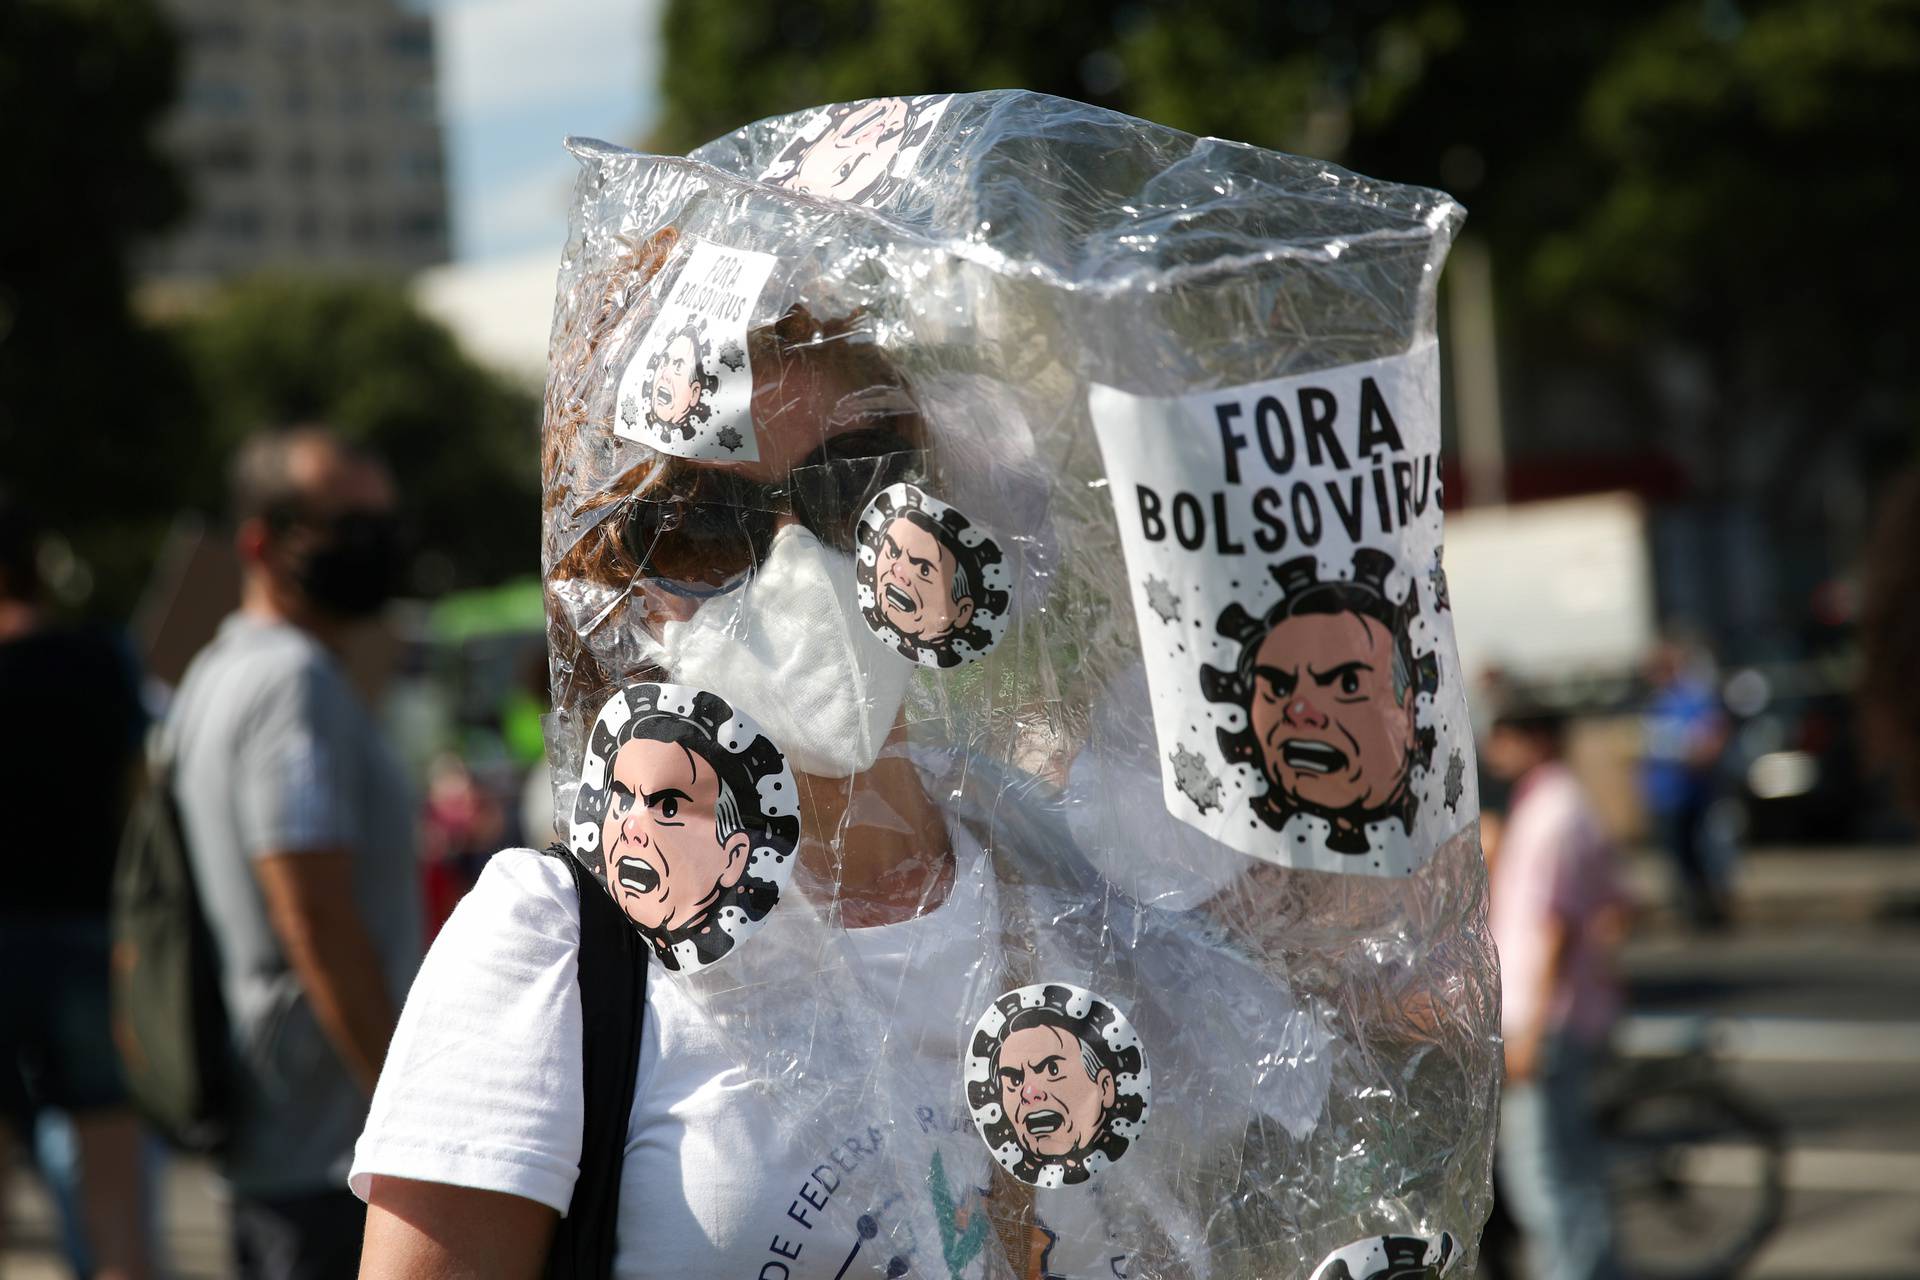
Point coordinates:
[(217, 97), (421, 225), (422, 164), (237, 223), (300, 162), (228, 155), (356, 164), (214, 35), (415, 101), (411, 40)]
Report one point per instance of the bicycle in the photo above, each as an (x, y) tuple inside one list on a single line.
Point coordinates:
[(1697, 1169)]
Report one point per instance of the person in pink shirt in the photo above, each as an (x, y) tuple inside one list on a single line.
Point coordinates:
[(1555, 907)]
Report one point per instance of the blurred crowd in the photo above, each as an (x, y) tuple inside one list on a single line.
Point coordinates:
[(323, 862)]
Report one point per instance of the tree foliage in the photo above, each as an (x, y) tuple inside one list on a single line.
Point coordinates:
[(1706, 181), (360, 356), (89, 399)]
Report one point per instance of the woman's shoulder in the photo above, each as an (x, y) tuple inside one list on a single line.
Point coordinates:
[(465, 1096), (519, 892), (529, 870)]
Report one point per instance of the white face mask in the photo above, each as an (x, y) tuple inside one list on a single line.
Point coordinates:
[(791, 650)]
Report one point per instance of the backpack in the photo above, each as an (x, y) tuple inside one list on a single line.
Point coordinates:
[(169, 1014), (613, 994)]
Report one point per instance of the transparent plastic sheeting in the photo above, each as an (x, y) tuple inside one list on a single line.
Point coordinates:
[(1002, 664)]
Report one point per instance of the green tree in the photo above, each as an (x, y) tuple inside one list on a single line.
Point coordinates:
[(89, 399), (737, 60), (1708, 185), (359, 355), (1752, 209)]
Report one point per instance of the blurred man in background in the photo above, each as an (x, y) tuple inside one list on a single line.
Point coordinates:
[(1555, 910), (1685, 734), (300, 827), (71, 711)]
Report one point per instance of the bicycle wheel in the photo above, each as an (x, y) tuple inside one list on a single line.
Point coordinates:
[(1698, 1179)]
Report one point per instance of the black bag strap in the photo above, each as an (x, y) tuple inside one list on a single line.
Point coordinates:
[(613, 991)]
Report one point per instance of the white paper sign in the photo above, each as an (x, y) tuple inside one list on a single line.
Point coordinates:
[(689, 387), (1283, 544)]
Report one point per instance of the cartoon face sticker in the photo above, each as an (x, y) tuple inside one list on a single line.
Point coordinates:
[(675, 395), (1391, 1258), (858, 151), (686, 813), (1328, 682), (932, 584), (1057, 1082)]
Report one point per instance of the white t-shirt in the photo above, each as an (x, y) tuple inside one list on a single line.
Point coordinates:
[(481, 1088), (799, 1112)]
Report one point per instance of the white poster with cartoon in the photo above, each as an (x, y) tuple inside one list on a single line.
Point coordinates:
[(1283, 542), (689, 386)]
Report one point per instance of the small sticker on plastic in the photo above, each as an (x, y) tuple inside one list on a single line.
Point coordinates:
[(1392, 1258), (1057, 1082), (687, 813), (933, 584)]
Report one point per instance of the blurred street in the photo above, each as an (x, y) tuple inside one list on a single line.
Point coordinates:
[(1821, 1002), (1815, 1002)]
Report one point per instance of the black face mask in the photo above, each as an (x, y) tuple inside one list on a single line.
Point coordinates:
[(352, 565)]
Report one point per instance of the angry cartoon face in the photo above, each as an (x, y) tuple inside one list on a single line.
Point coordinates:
[(1057, 1082), (684, 812), (1055, 1090), (1334, 731), (932, 583), (921, 589), (671, 834), (1330, 687), (677, 381)]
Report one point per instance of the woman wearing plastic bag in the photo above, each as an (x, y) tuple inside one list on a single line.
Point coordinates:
[(1002, 678)]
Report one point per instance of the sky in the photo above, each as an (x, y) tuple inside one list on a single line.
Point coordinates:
[(516, 77)]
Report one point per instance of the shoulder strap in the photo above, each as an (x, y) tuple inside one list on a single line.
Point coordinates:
[(613, 989)]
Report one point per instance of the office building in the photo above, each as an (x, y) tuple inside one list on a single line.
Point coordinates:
[(307, 133)]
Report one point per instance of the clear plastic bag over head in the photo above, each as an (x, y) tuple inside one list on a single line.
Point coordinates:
[(1002, 664)]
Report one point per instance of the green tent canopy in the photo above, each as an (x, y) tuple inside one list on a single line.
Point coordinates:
[(492, 611)]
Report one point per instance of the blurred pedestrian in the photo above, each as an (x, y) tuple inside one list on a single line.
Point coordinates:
[(1555, 909), (1890, 639), (69, 701), (461, 827), (1685, 733), (1500, 1241), (301, 829)]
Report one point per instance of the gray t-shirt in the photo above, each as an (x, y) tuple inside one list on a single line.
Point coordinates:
[(275, 753)]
